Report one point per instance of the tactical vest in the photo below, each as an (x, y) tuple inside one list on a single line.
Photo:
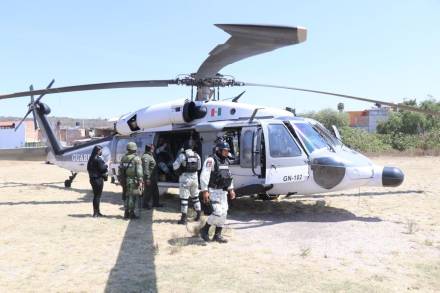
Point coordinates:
[(128, 166), (221, 177), (191, 163)]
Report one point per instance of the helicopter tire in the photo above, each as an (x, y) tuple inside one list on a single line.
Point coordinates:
[(67, 183)]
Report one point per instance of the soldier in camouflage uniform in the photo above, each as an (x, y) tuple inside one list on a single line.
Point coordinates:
[(130, 169), (151, 174)]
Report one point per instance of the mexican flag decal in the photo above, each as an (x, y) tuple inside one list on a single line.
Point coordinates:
[(216, 112)]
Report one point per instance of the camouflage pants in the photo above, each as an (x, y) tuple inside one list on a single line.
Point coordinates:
[(219, 200), (131, 197), (189, 188)]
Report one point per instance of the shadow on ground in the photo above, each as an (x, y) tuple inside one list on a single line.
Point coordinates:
[(107, 196), (259, 213), (135, 269)]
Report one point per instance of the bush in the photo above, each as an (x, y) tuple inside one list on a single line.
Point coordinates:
[(329, 117), (412, 132), (363, 141)]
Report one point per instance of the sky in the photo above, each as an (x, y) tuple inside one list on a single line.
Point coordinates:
[(385, 50)]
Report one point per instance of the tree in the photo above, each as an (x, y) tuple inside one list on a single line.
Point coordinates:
[(329, 117), (341, 107)]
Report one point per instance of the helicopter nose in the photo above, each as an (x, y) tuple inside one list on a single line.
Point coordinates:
[(392, 177)]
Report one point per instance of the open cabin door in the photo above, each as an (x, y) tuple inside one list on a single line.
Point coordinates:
[(251, 149), (286, 162), (248, 168)]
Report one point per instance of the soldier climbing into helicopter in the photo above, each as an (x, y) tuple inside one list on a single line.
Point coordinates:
[(187, 164)]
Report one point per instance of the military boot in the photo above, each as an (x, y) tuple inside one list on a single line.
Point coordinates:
[(183, 219), (204, 232), (126, 215), (95, 213), (133, 216), (218, 235), (197, 218)]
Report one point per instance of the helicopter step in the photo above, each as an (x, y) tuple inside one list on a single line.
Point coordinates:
[(68, 182)]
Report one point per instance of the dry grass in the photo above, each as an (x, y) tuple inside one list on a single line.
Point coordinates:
[(363, 240)]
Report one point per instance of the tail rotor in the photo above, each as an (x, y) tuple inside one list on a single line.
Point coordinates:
[(32, 106)]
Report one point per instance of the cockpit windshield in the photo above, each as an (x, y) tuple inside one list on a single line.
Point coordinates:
[(327, 135), (311, 138)]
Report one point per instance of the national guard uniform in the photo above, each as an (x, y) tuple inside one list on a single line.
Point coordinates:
[(130, 169), (149, 166), (188, 163), (216, 183)]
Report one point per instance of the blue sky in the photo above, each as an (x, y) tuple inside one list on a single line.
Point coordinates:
[(379, 49)]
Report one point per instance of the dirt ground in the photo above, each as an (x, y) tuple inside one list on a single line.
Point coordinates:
[(363, 240)]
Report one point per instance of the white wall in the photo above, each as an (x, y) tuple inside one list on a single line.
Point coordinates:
[(11, 139)]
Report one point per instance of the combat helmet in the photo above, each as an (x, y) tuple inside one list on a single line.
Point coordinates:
[(222, 145), (131, 146)]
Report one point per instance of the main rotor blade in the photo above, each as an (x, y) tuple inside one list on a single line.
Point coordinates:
[(94, 86), (246, 41), (395, 105)]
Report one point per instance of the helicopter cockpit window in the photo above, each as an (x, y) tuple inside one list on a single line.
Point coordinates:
[(311, 138), (281, 143), (327, 135)]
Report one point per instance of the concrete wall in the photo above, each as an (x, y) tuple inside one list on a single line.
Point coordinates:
[(25, 154)]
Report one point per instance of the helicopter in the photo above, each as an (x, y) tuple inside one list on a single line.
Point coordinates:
[(273, 151)]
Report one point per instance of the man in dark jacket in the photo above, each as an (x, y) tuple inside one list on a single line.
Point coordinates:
[(151, 174), (97, 170)]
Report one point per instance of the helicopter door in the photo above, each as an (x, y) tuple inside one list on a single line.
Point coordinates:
[(285, 161), (250, 149)]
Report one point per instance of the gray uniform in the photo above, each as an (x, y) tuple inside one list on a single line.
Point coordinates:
[(218, 197), (188, 181)]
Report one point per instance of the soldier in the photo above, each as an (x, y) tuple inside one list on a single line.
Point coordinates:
[(216, 184), (151, 191), (130, 169), (97, 174), (187, 164)]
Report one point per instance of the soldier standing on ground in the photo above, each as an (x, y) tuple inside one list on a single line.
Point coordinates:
[(216, 184), (130, 169), (187, 164), (151, 174)]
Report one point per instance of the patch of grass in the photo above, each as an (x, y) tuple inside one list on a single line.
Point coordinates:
[(305, 251), (395, 253), (377, 278), (175, 249), (428, 242), (411, 227)]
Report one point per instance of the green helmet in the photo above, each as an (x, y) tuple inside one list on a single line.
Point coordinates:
[(131, 146)]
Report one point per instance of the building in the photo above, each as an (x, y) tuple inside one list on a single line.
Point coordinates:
[(25, 136), (369, 119)]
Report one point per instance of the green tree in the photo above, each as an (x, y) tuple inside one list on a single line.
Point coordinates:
[(329, 117)]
